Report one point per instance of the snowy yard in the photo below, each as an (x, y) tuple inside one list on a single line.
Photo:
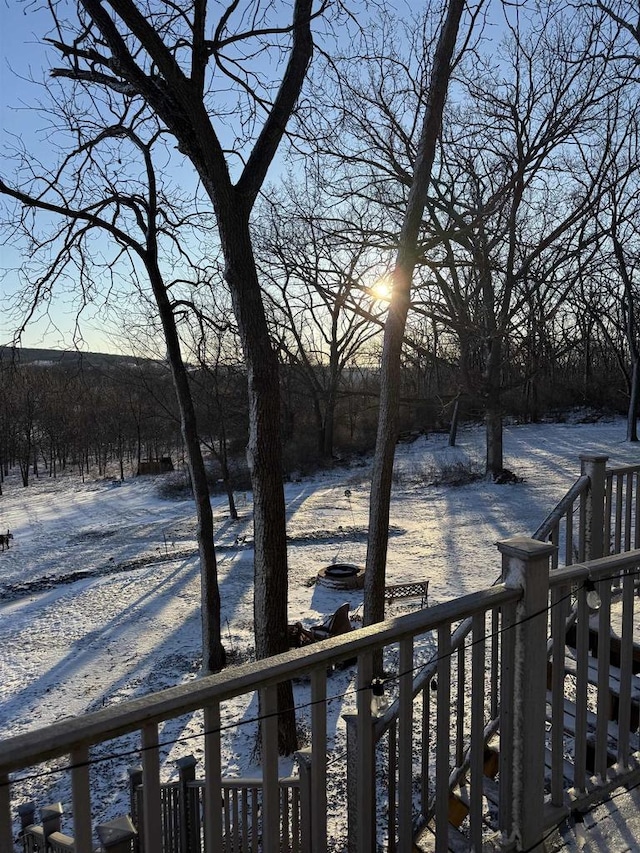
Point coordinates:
[(99, 589)]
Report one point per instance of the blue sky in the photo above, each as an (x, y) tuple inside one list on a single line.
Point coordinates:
[(22, 70)]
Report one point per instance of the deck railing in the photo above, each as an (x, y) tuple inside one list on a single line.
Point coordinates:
[(182, 807), (493, 663), (598, 516)]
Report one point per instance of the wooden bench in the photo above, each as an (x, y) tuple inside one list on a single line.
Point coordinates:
[(417, 589)]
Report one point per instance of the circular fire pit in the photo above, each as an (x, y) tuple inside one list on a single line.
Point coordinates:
[(341, 576)]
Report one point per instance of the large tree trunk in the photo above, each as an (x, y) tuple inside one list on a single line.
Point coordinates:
[(380, 500), (264, 456), (630, 305), (492, 393), (493, 425)]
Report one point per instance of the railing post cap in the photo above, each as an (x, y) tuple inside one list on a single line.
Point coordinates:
[(593, 457), (116, 830), (27, 808), (185, 762), (50, 811), (304, 755), (525, 548)]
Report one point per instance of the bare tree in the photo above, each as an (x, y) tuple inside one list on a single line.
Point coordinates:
[(205, 81), (406, 260), (120, 212), (322, 311)]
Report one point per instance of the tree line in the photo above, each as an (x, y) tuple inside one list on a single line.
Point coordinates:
[(104, 421)]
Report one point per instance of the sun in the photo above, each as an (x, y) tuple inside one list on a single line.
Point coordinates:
[(382, 289)]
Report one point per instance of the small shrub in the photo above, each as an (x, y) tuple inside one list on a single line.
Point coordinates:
[(174, 486), (460, 473), (429, 473)]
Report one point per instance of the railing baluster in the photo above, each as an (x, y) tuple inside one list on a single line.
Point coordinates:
[(608, 512), (255, 830), (477, 729), (212, 814), (239, 830), (405, 747), (559, 605), (245, 820), (555, 540), (628, 506), (81, 792), (604, 692), (319, 760), (582, 544), (392, 787), (460, 705), (285, 828), (582, 669), (295, 819), (617, 541), (151, 806), (507, 689), (6, 822), (443, 738), (366, 787), (425, 741), (270, 786), (568, 541), (495, 663), (626, 670)]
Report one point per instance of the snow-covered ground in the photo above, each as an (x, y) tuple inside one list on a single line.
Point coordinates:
[(99, 589)]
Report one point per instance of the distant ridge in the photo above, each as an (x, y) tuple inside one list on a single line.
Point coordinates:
[(68, 358)]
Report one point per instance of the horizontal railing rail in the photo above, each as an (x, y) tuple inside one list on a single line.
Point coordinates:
[(62, 737)]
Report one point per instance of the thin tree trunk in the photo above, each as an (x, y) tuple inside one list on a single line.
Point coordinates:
[(453, 427), (634, 401), (226, 477), (380, 500), (213, 653)]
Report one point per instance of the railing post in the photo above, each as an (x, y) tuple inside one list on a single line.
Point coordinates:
[(525, 565), (27, 815), (186, 773), (595, 467), (351, 721)]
